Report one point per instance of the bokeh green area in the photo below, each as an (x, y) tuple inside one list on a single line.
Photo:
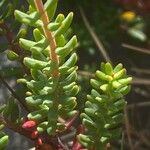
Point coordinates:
[(103, 18)]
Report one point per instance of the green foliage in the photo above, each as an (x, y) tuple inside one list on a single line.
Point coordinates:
[(51, 97), (51, 83), (103, 114)]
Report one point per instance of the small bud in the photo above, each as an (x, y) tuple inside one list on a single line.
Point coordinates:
[(2, 126), (34, 134), (120, 74), (108, 69), (104, 139), (12, 55), (39, 141), (28, 93), (29, 124)]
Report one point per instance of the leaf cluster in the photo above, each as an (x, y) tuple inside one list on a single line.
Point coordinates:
[(51, 82)]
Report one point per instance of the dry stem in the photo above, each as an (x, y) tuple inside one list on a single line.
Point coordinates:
[(21, 102)]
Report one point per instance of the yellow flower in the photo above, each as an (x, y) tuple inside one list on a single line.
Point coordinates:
[(128, 16)]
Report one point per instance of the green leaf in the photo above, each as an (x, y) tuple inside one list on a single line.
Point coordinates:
[(26, 44), (38, 115), (65, 25), (4, 142), (71, 61), (137, 34), (32, 19), (108, 69), (34, 64), (64, 51), (50, 6)]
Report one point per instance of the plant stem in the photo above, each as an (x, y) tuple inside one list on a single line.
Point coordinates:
[(49, 36), (70, 122), (95, 38)]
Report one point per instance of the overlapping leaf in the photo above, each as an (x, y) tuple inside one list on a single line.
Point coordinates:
[(50, 98)]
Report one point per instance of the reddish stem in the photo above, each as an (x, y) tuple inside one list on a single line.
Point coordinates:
[(49, 36), (76, 144), (70, 122)]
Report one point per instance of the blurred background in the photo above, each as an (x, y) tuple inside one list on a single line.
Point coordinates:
[(117, 31)]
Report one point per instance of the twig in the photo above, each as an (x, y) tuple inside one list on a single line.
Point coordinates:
[(22, 104), (128, 129), (95, 37), (141, 81), (86, 73), (70, 122), (64, 146), (135, 48), (122, 141), (143, 71), (141, 104)]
